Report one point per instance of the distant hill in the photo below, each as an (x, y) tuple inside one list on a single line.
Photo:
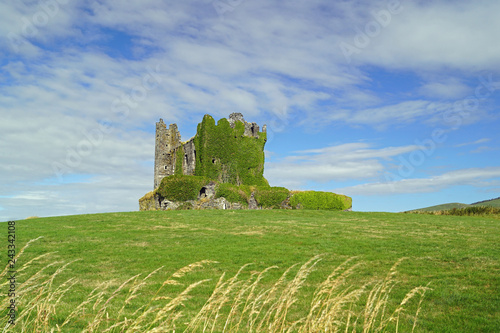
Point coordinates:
[(447, 206), (492, 202)]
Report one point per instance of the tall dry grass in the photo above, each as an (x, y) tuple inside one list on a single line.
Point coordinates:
[(237, 304)]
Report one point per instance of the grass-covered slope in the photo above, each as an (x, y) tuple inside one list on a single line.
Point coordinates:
[(458, 256), (492, 203), (447, 206), (455, 205)]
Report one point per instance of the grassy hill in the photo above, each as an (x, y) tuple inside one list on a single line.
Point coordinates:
[(447, 206), (458, 256), (492, 203)]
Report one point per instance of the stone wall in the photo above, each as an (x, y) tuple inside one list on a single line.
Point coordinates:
[(208, 199), (189, 161)]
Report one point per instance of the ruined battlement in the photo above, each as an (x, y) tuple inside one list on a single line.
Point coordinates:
[(251, 129), (231, 151)]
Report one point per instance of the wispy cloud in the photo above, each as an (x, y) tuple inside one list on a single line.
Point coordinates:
[(427, 37), (447, 89), (483, 149), (477, 142), (352, 161), (478, 177), (404, 112)]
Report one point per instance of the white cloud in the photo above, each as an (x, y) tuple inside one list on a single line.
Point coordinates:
[(435, 35), (483, 140), (401, 113), (448, 89), (483, 149), (25, 24), (265, 57), (100, 194), (206, 62), (352, 161), (479, 177), (35, 195)]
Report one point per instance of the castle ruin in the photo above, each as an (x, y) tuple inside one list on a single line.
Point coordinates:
[(172, 156), (222, 167)]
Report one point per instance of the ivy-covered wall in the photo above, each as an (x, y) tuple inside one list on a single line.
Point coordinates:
[(240, 194), (179, 156), (181, 187), (225, 154)]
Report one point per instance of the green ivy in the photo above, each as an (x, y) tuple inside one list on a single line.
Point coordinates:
[(271, 197), (320, 200), (233, 193), (181, 187), (178, 160), (267, 197), (224, 154)]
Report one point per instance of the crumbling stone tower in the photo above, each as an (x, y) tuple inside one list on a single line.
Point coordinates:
[(168, 144), (231, 151)]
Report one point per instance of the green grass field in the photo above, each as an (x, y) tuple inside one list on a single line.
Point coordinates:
[(458, 256)]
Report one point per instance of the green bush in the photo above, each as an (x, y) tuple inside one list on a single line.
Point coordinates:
[(320, 200), (266, 196), (147, 202), (233, 193), (181, 187), (271, 197)]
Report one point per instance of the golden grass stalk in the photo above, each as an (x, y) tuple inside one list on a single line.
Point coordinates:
[(237, 304)]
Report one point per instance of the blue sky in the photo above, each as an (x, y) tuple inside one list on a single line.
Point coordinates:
[(395, 103)]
